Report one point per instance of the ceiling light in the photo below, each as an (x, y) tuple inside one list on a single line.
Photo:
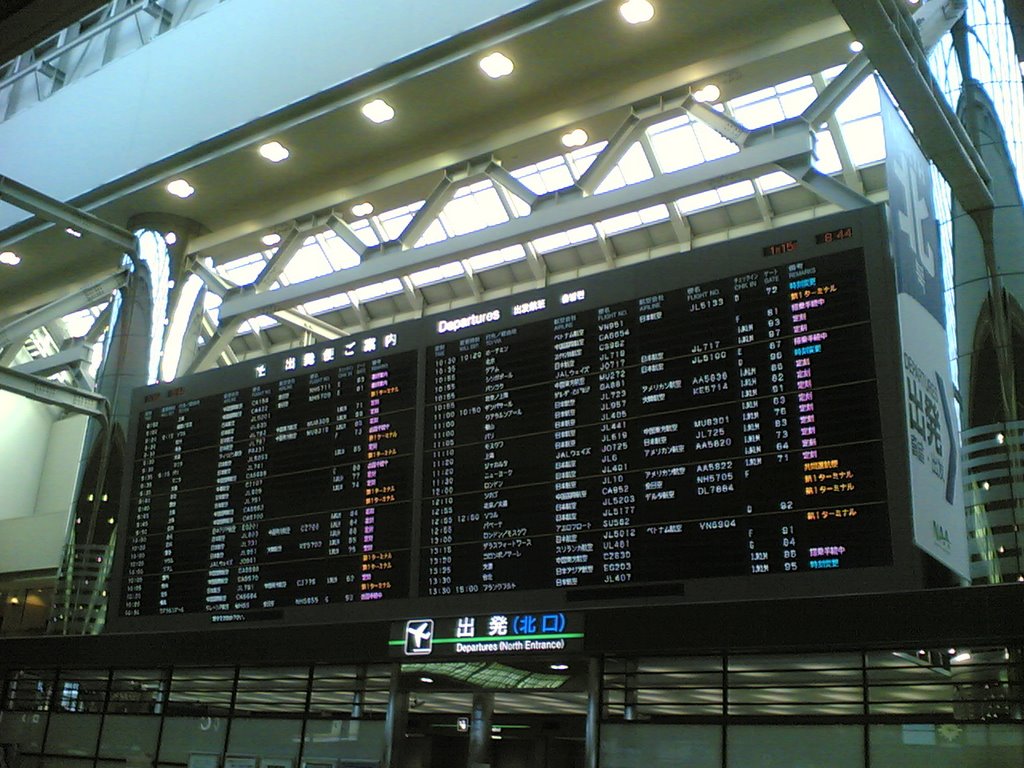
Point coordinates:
[(110, 520), (985, 485), (271, 239), (575, 138), (426, 679), (181, 188), (73, 232), (707, 94), (497, 65), (965, 656), (274, 151), (1000, 438), (637, 11), (559, 667), (362, 209), (378, 111), (170, 238), (10, 258), (856, 46)]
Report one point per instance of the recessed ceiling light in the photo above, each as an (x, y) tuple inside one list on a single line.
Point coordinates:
[(181, 188), (274, 151), (497, 65), (362, 209), (272, 239), (559, 667), (709, 93), (426, 679), (378, 111), (170, 238), (637, 11), (856, 46), (73, 232), (575, 138), (10, 258)]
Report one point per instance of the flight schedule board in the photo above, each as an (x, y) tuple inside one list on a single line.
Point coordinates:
[(714, 425)]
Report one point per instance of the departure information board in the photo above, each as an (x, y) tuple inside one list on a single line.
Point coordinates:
[(712, 418)]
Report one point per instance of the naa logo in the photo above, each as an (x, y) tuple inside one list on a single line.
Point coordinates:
[(941, 536)]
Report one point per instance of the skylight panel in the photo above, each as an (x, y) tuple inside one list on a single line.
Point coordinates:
[(669, 125), (677, 148), (437, 274), (826, 158), (476, 209), (80, 323), (435, 233), (326, 304), (632, 168), (792, 85), (736, 191), (698, 202), (393, 222), (634, 219), (377, 290), (751, 98), (365, 232), (339, 254), (308, 262), (772, 181), (760, 113), (861, 103), (865, 140), (545, 177), (243, 271), (491, 259), (795, 102), (713, 145), (211, 303), (654, 213), (581, 159)]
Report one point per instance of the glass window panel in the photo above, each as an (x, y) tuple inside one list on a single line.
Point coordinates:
[(182, 736), (698, 202), (245, 270), (29, 689), (25, 729), (654, 213), (376, 290), (435, 233), (949, 745), (137, 692), (200, 691), (792, 85), (437, 274), (660, 746), (580, 159), (736, 191), (751, 98), (73, 735), (129, 736), (265, 738), (326, 304), (826, 158), (550, 243), (84, 691), (773, 181), (714, 145), (365, 232), (865, 140), (344, 739), (272, 690), (492, 259), (786, 746), (338, 252), (308, 262)]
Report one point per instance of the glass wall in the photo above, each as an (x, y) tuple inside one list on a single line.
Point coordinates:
[(932, 708)]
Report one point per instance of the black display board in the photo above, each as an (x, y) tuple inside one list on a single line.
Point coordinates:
[(720, 424)]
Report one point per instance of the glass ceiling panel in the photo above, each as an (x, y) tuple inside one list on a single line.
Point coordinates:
[(437, 274), (337, 251), (308, 262), (79, 323), (492, 259), (865, 140), (861, 103)]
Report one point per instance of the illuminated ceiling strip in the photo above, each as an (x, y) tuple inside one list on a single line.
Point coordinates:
[(765, 152), (86, 297), (53, 210)]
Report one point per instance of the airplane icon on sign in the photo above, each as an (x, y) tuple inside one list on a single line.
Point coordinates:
[(419, 634)]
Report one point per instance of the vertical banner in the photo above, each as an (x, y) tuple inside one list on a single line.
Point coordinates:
[(940, 525)]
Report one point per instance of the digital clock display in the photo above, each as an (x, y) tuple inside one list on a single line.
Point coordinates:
[(833, 235), (779, 249)]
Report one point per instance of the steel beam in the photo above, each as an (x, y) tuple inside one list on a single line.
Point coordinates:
[(348, 236), (764, 152), (824, 186), (279, 261), (900, 61), (838, 90), (86, 297), (310, 324), (217, 344), (215, 281), (717, 121), (500, 177), (44, 391), (78, 354), (428, 212), (53, 210)]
